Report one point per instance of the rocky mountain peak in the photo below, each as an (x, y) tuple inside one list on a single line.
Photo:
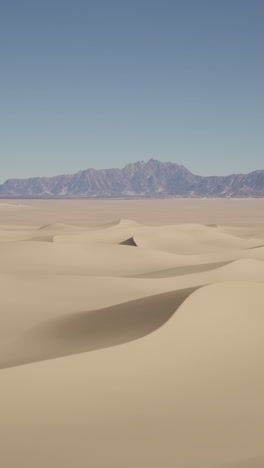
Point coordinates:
[(141, 179)]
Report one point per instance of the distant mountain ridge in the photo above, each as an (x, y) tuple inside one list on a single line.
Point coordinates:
[(151, 179)]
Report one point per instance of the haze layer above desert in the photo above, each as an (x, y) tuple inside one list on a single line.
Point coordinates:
[(132, 333)]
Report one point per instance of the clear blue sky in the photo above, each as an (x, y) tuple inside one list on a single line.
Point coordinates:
[(105, 82)]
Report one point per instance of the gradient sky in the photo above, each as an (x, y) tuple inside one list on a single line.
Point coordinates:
[(105, 82)]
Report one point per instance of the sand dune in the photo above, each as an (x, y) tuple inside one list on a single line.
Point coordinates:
[(188, 394), (9, 236), (88, 259), (95, 329), (182, 270), (193, 240), (57, 227), (125, 344)]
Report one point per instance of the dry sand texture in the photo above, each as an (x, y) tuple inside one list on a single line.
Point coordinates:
[(132, 333)]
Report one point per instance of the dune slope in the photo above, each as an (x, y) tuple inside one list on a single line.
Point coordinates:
[(125, 345)]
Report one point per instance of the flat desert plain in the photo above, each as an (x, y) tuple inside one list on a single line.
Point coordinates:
[(132, 333)]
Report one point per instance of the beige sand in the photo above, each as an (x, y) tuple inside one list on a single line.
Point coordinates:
[(132, 333)]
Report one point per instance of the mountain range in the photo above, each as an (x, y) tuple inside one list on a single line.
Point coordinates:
[(152, 179)]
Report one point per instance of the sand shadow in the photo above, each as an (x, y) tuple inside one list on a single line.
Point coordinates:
[(88, 331), (130, 242), (182, 270), (256, 247)]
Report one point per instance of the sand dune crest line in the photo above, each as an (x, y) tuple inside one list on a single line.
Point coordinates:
[(88, 331)]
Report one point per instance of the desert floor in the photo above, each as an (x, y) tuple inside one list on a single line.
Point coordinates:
[(132, 333)]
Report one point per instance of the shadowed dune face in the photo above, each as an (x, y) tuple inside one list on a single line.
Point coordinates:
[(175, 326), (183, 270), (130, 242), (257, 246), (88, 331)]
